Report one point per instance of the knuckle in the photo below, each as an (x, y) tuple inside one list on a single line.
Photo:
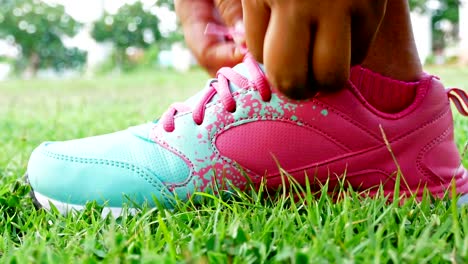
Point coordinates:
[(229, 9), (293, 86), (202, 58), (331, 82)]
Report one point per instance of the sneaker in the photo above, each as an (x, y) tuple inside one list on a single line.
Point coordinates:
[(238, 125)]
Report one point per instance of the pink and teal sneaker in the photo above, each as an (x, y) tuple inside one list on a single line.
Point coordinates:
[(239, 125)]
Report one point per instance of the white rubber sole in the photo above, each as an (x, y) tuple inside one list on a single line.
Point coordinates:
[(65, 208)]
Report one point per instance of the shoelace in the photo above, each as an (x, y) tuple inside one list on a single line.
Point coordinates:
[(220, 86), (460, 100), (228, 33)]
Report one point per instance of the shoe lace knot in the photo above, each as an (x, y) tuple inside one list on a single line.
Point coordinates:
[(221, 86)]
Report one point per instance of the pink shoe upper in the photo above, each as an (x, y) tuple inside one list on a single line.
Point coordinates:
[(241, 125)]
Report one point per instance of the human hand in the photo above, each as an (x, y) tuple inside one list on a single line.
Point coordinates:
[(212, 52), (309, 45)]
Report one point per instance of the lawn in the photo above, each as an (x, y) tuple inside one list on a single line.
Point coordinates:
[(247, 229)]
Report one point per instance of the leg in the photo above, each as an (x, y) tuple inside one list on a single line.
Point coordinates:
[(400, 60), (394, 55)]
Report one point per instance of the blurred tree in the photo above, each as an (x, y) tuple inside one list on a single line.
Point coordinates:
[(418, 5), (132, 27), (167, 3), (37, 28), (175, 36), (445, 21)]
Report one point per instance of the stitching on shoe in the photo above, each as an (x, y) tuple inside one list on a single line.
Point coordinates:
[(423, 126), (192, 175), (117, 164), (347, 118), (286, 120), (422, 91), (419, 159), (184, 157), (419, 163)]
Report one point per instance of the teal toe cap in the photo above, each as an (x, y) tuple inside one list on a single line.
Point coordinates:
[(112, 169)]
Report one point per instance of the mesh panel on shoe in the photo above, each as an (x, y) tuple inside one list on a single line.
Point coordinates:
[(125, 146)]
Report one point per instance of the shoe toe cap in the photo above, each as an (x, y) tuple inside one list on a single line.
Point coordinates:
[(102, 169)]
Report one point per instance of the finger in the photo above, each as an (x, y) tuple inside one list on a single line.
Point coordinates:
[(256, 18), (331, 57), (223, 54), (230, 11), (286, 53), (193, 11), (211, 52)]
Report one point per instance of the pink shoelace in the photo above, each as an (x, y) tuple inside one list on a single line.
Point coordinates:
[(220, 86), (459, 99)]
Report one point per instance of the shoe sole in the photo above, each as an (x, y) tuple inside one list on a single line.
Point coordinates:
[(43, 202)]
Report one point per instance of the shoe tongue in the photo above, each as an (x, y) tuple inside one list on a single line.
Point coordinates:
[(240, 68)]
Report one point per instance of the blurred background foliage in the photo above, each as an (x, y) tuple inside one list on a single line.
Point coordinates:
[(445, 18), (132, 26), (38, 29)]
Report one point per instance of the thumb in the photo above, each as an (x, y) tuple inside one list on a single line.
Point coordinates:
[(230, 11)]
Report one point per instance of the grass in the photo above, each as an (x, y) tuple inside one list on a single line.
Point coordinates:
[(248, 229)]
